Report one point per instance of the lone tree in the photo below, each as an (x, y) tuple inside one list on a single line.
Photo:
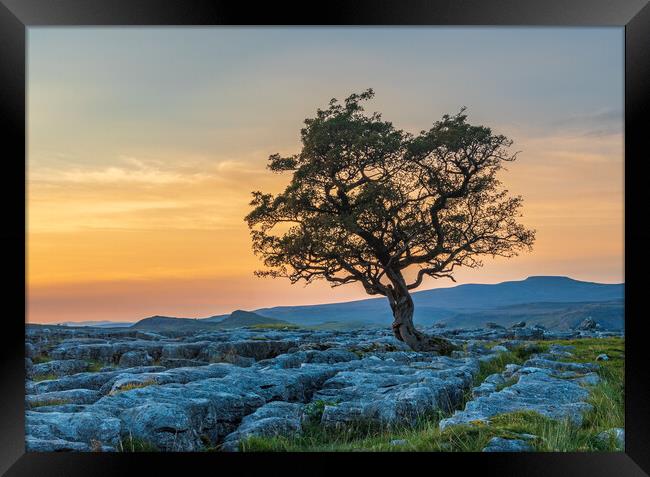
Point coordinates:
[(372, 204)]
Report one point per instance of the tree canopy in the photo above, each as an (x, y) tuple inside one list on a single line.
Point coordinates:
[(367, 202)]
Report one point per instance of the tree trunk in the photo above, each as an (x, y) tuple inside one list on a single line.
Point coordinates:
[(404, 330)]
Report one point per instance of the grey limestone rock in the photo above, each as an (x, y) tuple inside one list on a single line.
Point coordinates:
[(538, 391), (134, 358), (60, 368), (70, 396), (273, 419), (499, 444), (84, 427), (617, 434)]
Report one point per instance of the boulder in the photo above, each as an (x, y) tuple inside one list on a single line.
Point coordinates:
[(561, 350), (483, 390), (167, 426), (499, 444), (617, 434), (589, 379), (476, 347), (84, 427), (273, 419), (135, 358), (510, 369), (494, 326), (60, 368), (496, 379), (499, 349), (528, 334), (185, 350), (519, 324), (587, 324), (398, 442)]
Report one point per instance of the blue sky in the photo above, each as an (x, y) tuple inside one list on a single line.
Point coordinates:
[(179, 84)]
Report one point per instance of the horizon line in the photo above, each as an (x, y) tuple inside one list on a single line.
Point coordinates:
[(319, 304)]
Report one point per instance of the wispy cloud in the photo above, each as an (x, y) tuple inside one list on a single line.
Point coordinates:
[(130, 170), (599, 123)]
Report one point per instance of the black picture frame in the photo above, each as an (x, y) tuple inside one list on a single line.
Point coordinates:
[(18, 15)]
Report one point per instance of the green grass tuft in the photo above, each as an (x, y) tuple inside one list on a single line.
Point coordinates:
[(133, 444), (130, 386), (44, 377), (40, 359), (50, 402), (314, 410), (95, 366), (274, 326)]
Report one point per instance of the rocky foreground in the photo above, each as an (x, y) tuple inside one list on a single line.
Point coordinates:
[(92, 389)]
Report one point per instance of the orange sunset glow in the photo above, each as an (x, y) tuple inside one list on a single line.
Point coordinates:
[(144, 146)]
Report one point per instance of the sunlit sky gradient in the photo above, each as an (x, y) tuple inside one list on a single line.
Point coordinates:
[(145, 143)]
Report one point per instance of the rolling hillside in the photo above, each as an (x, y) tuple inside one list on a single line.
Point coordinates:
[(555, 302), (471, 305), (237, 319), (609, 314)]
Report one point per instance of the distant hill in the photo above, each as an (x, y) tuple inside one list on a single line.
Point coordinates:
[(444, 304), (96, 324), (555, 302), (609, 314), (240, 318), (168, 323), (237, 319)]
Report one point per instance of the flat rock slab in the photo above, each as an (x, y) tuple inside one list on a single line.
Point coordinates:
[(86, 380), (84, 427), (395, 392), (273, 419), (58, 368), (33, 444), (70, 396), (538, 391)]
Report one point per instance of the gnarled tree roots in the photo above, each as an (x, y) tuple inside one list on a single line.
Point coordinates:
[(419, 341)]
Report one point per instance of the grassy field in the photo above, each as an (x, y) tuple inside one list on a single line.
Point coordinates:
[(607, 399)]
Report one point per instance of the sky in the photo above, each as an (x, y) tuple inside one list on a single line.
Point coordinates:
[(145, 143)]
